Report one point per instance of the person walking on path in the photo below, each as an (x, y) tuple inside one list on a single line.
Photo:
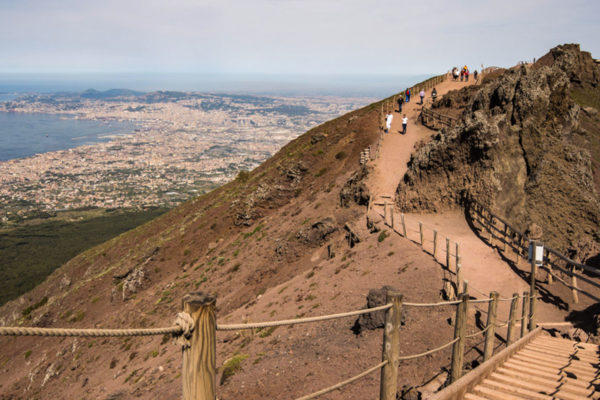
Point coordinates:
[(475, 75), (404, 123), (422, 95), (400, 102), (388, 122), (467, 75), (407, 92), (433, 95)]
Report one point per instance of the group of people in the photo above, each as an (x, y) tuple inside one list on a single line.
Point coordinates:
[(401, 100), (463, 73)]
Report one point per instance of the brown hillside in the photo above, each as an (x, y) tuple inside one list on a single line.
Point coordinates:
[(260, 244), (527, 144)]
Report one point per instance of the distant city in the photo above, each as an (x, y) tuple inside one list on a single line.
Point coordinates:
[(184, 144)]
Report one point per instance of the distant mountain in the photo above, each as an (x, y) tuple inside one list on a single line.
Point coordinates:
[(109, 94)]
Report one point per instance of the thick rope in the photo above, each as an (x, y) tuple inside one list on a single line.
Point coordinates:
[(478, 333), (30, 331), (235, 327), (343, 383), (446, 303), (442, 347)]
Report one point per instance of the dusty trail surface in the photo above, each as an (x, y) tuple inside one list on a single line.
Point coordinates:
[(483, 267)]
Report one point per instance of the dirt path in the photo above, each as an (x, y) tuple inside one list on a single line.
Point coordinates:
[(482, 266)]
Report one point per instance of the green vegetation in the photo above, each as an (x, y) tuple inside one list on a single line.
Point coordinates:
[(340, 155), (321, 172), (382, 236), (231, 366), (263, 333), (31, 251), (35, 306)]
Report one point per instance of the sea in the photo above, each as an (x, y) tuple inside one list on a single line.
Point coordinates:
[(24, 135)]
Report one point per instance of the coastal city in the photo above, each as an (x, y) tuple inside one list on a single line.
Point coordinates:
[(184, 144)]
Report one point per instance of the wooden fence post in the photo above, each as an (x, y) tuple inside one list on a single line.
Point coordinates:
[(392, 215), (460, 330), (421, 233), (532, 301), (524, 313), (457, 256), (435, 233), (391, 347), (510, 333), (574, 284), (448, 253), (403, 225), (549, 277), (459, 279), (490, 334), (200, 358), (504, 239)]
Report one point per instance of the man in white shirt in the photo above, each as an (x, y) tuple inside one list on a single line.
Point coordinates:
[(388, 122), (404, 123)]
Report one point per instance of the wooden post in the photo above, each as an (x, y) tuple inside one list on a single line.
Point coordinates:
[(392, 215), (457, 256), (549, 277), (533, 268), (459, 278), (532, 301), (504, 237), (460, 329), (448, 253), (434, 243), (490, 334), (200, 358), (421, 233), (574, 285), (524, 313), (391, 347), (510, 333), (403, 225)]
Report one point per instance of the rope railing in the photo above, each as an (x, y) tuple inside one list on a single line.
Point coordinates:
[(426, 353), (236, 327), (343, 383), (31, 331), (508, 235), (481, 332)]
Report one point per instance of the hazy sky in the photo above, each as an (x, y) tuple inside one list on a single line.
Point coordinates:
[(286, 36)]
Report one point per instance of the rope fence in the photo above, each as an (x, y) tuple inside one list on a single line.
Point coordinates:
[(506, 235)]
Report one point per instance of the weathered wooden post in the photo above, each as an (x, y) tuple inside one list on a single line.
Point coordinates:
[(574, 284), (524, 313), (448, 253), (457, 255), (459, 278), (200, 357), (490, 334), (435, 233), (504, 237), (510, 333), (549, 277), (532, 301), (403, 225), (392, 215), (391, 347), (532, 249), (460, 330), (421, 233)]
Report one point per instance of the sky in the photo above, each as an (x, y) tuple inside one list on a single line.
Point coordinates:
[(340, 37)]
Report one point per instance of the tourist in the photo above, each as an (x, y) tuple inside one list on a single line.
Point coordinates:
[(400, 102), (407, 92), (422, 95), (467, 75), (388, 122), (404, 123), (475, 75), (455, 74), (433, 95)]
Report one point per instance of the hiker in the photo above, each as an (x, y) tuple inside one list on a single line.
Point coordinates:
[(422, 95), (475, 75), (467, 75), (404, 123), (400, 102), (388, 122), (455, 74), (433, 95), (407, 92)]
